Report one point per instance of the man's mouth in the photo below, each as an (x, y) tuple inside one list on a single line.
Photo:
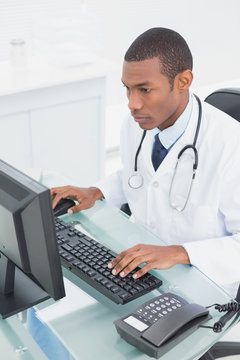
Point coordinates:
[(140, 118)]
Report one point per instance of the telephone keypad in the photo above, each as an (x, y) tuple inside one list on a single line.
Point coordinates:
[(157, 308)]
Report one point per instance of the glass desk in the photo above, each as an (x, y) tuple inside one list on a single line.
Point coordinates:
[(16, 342), (84, 322)]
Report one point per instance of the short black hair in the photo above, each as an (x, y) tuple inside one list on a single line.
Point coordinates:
[(168, 45)]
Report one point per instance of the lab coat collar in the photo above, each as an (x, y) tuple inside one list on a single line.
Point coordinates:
[(170, 160), (170, 135)]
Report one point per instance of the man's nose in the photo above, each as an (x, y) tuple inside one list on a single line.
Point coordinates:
[(134, 102)]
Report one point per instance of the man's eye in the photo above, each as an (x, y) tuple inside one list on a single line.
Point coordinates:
[(145, 90)]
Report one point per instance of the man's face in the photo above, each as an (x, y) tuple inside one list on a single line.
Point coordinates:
[(152, 101)]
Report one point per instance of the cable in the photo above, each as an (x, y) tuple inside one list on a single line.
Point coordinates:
[(231, 308), (218, 326)]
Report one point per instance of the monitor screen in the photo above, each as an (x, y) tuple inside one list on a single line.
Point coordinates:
[(30, 269)]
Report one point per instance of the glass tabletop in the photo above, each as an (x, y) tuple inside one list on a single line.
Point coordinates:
[(16, 342), (83, 321)]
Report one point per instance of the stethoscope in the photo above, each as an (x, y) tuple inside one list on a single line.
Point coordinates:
[(135, 181)]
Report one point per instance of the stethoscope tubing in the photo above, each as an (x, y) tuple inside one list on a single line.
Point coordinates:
[(190, 146)]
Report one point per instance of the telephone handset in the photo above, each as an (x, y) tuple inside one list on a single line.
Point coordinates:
[(161, 323)]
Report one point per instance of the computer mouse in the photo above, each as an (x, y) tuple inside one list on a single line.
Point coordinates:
[(62, 206)]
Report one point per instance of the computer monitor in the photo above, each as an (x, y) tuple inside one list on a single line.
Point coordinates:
[(30, 269)]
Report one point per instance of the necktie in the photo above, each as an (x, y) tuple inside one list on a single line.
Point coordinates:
[(158, 152)]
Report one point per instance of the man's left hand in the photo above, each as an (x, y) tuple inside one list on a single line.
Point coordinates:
[(154, 257)]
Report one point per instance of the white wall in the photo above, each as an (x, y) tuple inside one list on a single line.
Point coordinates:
[(211, 28), (67, 30), (107, 27)]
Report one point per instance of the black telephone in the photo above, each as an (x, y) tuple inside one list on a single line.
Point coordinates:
[(161, 323)]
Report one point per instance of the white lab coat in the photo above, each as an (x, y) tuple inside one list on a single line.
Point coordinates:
[(209, 226)]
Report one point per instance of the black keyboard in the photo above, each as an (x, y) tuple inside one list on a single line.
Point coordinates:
[(88, 259)]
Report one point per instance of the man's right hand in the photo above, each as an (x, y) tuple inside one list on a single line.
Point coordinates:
[(85, 197)]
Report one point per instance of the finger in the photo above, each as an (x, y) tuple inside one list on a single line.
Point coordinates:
[(56, 196), (115, 261), (60, 189), (124, 265), (133, 265), (83, 204), (146, 268), (55, 190), (56, 199), (120, 256), (64, 193), (75, 209)]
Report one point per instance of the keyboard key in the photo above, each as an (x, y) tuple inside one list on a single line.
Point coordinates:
[(91, 272), (76, 262), (85, 241), (115, 289), (85, 268), (133, 291), (96, 266), (144, 285), (101, 270), (81, 266), (124, 295), (104, 281), (98, 278), (127, 287), (66, 247), (109, 285), (112, 253), (137, 287)]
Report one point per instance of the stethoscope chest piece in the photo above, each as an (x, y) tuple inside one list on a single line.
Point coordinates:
[(136, 180)]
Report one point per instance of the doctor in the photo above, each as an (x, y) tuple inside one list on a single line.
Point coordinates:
[(194, 206)]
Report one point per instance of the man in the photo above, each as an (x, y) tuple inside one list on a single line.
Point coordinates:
[(157, 74)]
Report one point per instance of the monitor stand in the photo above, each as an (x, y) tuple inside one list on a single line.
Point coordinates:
[(18, 292)]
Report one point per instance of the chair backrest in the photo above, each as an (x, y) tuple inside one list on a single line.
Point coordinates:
[(227, 100)]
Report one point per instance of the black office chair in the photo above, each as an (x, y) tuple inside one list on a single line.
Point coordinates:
[(227, 100)]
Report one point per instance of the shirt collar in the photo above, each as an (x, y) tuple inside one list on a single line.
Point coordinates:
[(170, 135)]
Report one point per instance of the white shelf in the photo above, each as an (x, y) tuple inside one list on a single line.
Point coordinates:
[(53, 118), (38, 74)]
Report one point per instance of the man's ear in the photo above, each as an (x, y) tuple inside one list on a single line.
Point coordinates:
[(184, 80)]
